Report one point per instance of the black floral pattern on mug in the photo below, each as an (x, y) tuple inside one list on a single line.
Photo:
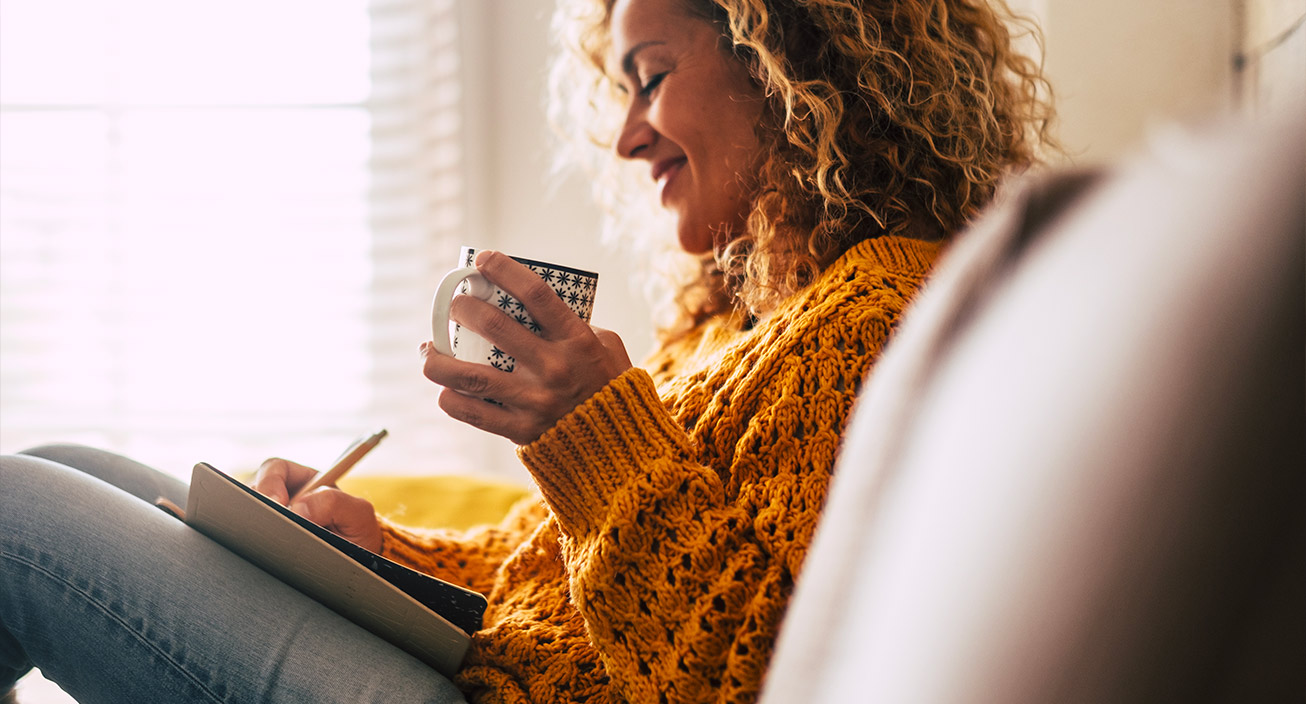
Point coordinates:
[(575, 288)]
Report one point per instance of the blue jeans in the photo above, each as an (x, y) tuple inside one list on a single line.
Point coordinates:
[(117, 601)]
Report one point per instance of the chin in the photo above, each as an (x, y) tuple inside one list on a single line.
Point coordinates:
[(708, 234), (694, 248), (695, 240)]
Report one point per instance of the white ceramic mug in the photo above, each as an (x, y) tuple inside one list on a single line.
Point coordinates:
[(575, 287)]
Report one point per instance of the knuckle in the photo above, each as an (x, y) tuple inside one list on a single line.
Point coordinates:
[(272, 468), (495, 325), (539, 294), (474, 381), (356, 505)]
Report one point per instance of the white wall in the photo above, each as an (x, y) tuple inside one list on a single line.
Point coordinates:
[(1120, 67)]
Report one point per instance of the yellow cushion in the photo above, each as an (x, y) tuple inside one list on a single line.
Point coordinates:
[(436, 501)]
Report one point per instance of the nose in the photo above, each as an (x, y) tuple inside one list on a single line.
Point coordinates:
[(636, 135)]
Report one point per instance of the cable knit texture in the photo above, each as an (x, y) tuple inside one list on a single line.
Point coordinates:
[(678, 505)]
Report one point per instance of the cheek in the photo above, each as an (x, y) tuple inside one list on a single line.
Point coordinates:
[(743, 102), (737, 126), (742, 150)]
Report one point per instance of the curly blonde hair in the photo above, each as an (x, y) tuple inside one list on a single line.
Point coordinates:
[(881, 117)]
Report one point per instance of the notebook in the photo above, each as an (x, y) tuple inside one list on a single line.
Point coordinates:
[(426, 617)]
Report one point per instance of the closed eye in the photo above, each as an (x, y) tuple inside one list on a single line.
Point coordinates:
[(653, 82)]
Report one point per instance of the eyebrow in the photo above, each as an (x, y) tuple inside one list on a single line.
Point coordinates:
[(628, 61)]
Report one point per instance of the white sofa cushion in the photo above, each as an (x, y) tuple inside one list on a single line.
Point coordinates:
[(1077, 473)]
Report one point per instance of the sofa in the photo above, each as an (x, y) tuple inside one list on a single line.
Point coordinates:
[(1078, 473)]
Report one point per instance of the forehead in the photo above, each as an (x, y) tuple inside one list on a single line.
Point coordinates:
[(635, 21)]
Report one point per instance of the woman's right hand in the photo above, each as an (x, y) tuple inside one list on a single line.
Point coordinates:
[(347, 516)]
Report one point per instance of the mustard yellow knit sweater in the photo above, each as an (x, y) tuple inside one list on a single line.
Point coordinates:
[(677, 505)]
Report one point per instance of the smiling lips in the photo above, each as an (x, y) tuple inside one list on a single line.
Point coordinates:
[(664, 172)]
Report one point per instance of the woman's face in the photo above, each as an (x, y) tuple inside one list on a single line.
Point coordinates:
[(691, 114)]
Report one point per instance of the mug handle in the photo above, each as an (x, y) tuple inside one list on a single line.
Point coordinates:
[(477, 286)]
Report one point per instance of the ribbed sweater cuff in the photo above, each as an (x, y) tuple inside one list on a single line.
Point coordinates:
[(581, 462)]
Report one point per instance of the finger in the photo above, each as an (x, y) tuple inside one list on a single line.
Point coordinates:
[(612, 342), (502, 330), (503, 421), (541, 301), (348, 516), (277, 479), (477, 380)]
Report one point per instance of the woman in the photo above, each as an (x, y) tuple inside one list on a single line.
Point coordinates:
[(814, 158)]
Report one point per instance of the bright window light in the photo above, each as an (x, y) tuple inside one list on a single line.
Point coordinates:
[(200, 248)]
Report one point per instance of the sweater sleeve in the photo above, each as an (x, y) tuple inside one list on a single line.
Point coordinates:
[(468, 558), (685, 521), (679, 592)]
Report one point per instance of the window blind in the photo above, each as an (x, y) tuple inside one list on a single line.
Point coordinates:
[(220, 225)]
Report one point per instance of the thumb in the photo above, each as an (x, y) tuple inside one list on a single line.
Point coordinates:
[(611, 341)]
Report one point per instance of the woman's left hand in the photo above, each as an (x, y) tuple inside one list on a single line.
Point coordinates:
[(555, 371)]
